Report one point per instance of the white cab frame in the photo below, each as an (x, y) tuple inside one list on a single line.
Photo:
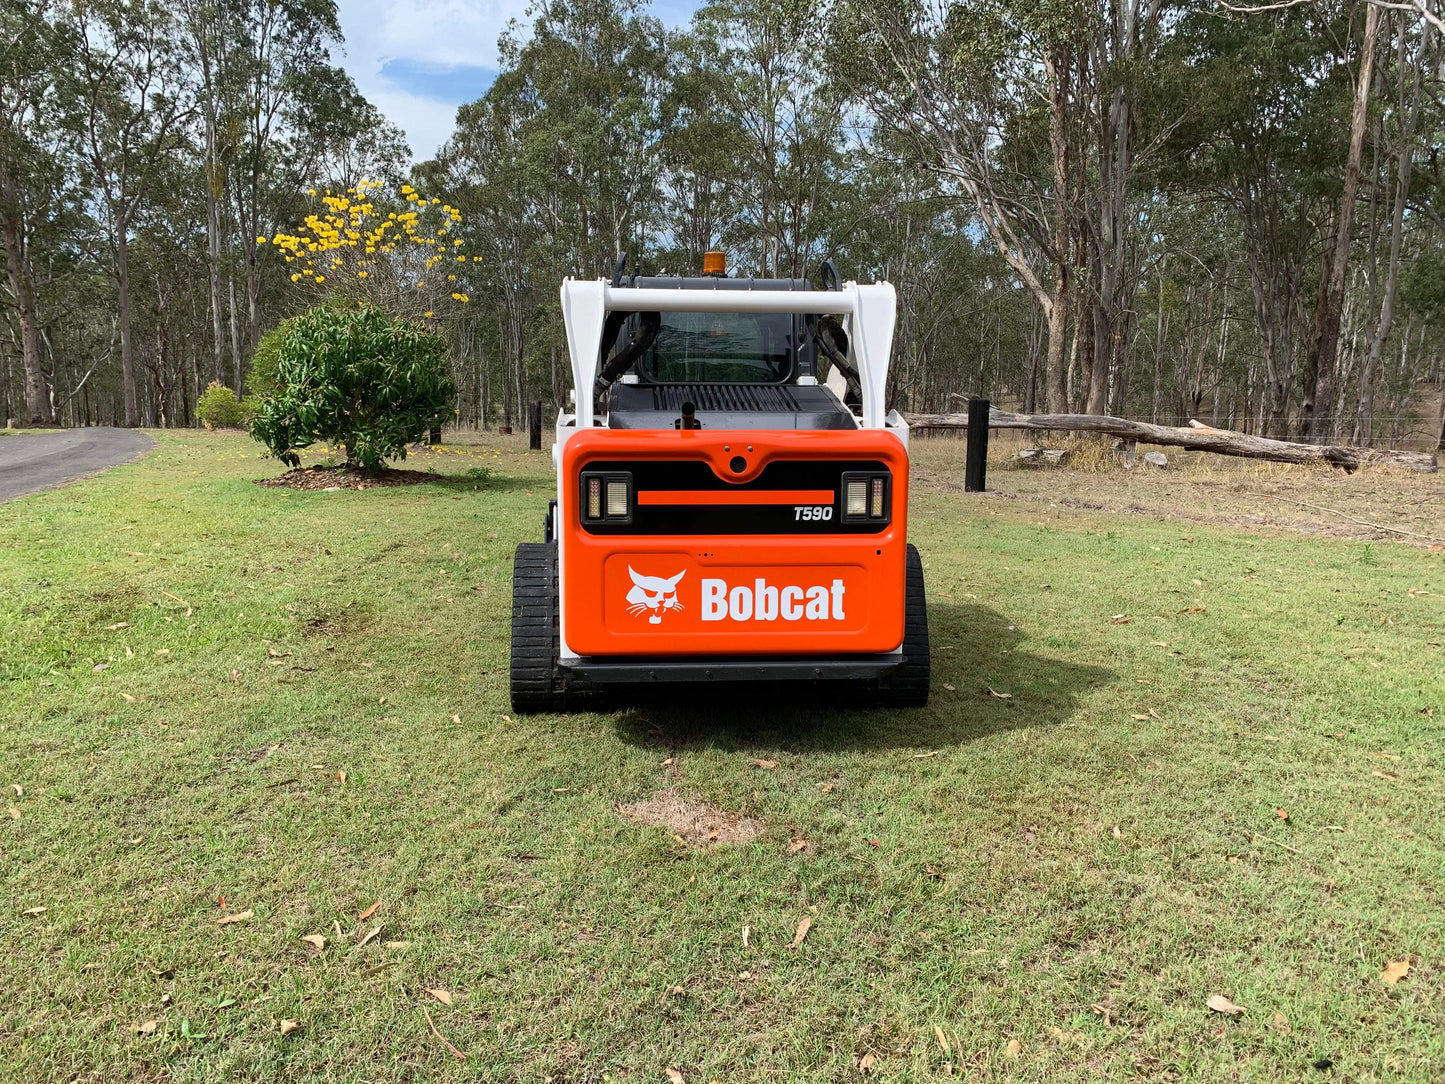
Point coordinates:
[(872, 312)]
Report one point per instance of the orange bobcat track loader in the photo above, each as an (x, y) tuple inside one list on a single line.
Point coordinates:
[(721, 515)]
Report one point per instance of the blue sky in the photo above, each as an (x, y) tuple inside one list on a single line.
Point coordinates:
[(417, 60)]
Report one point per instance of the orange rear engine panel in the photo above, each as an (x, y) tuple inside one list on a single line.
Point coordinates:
[(735, 544)]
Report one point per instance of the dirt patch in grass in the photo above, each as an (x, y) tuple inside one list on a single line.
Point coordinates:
[(327, 478), (697, 824)]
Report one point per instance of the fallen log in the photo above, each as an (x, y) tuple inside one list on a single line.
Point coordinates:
[(1197, 436)]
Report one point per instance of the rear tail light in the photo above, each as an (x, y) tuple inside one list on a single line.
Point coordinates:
[(866, 497), (607, 497), (616, 499)]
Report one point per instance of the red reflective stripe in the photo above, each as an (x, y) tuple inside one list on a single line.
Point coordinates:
[(735, 496)]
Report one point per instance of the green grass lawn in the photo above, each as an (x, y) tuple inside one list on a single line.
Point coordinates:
[(297, 702)]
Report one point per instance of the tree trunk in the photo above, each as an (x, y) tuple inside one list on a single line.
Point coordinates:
[(1405, 165), (38, 408), (215, 188), (235, 340), (1055, 379), (127, 346), (1325, 341)]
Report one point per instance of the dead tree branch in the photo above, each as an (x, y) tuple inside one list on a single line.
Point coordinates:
[(1197, 436)]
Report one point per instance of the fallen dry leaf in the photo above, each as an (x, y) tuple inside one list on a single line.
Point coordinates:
[(666, 763), (98, 667), (803, 928), (827, 788), (1281, 1024), (1104, 1011), (865, 1063), (288, 1026), (1159, 643), (1220, 1003), (942, 1039), (1116, 833), (1121, 619), (761, 763), (127, 698), (949, 687), (368, 912), (239, 916), (316, 941), (457, 719), (396, 944), (1155, 714), (341, 776), (1014, 1048), (797, 845), (369, 937), (35, 911), (444, 996), (236, 676), (18, 789), (1394, 971), (674, 1077), (117, 626), (925, 756), (148, 1028), (1141, 718), (1386, 776), (1001, 696), (747, 932), (14, 813)]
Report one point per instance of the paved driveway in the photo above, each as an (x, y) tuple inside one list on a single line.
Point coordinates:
[(34, 461)]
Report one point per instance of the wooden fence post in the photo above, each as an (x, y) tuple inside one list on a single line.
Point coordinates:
[(974, 466)]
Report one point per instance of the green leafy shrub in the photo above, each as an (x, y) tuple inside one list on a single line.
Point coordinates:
[(250, 407), (218, 408), (262, 381), (354, 377)]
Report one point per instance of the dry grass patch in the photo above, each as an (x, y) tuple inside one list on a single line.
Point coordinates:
[(697, 824)]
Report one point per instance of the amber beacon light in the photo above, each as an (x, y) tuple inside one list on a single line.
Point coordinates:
[(714, 263)]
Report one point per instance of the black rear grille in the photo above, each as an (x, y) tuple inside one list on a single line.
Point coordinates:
[(768, 398)]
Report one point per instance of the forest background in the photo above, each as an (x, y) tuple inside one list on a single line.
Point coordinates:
[(1155, 209)]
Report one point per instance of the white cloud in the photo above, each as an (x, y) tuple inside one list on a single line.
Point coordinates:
[(434, 32)]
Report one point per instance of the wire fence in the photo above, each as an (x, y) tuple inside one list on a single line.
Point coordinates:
[(1409, 431)]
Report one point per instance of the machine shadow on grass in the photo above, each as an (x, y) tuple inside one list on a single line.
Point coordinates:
[(975, 649)]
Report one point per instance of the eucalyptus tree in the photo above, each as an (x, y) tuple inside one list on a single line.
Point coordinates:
[(1262, 135), (125, 85), (985, 94), (758, 66), (28, 170), (277, 45)]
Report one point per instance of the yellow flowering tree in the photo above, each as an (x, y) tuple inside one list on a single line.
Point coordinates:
[(394, 252)]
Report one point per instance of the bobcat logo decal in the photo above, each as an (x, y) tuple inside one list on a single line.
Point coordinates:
[(653, 595)]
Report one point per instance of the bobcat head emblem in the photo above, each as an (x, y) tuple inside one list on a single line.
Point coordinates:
[(653, 595)]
